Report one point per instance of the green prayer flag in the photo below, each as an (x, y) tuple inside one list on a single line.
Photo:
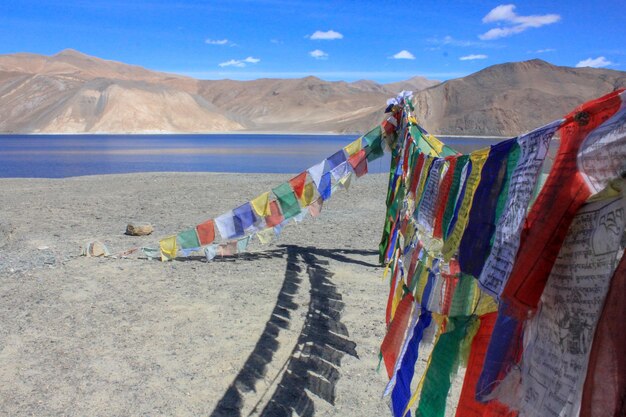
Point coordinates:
[(454, 191), (374, 144), (188, 239), (443, 364), (462, 300), (287, 200)]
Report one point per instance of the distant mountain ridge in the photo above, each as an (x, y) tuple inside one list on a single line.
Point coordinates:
[(71, 92), (508, 99)]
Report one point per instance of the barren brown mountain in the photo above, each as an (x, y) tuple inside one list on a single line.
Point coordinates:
[(75, 93), (71, 92), (509, 99)]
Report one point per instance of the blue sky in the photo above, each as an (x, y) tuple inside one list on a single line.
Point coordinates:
[(335, 40)]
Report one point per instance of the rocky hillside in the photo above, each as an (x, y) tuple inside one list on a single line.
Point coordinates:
[(74, 93), (512, 98)]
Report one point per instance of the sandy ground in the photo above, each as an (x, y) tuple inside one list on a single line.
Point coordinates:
[(293, 326)]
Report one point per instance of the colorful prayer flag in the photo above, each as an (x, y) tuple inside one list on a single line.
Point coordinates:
[(374, 147), (244, 217), (297, 183), (242, 244), (228, 248), (316, 172), (275, 217), (358, 162), (261, 204), (354, 147), (188, 239), (315, 208), (168, 248), (227, 226), (287, 200), (308, 194), (210, 252), (266, 235), (206, 232), (324, 187), (336, 159), (346, 180)]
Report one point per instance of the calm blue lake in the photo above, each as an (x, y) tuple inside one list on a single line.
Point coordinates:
[(59, 156)]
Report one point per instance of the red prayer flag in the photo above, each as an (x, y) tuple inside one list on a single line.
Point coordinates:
[(407, 154), (551, 215), (415, 175), (442, 197), (358, 162), (468, 406), (389, 125), (297, 184), (395, 336), (276, 217), (206, 232)]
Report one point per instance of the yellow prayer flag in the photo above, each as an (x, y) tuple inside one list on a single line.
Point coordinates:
[(478, 159), (483, 303), (308, 195), (613, 189), (345, 181), (397, 297), (354, 147), (168, 248), (266, 235), (261, 204), (435, 143)]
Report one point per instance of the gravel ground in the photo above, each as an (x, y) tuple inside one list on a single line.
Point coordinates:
[(290, 326)]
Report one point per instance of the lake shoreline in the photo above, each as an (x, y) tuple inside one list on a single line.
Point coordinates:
[(63, 156), (242, 133)]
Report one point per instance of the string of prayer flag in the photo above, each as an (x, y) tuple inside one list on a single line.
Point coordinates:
[(266, 214), (510, 286), (464, 241)]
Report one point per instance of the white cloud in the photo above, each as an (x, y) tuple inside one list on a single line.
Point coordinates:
[(329, 35), (546, 50), (463, 43), (449, 40), (473, 57), (239, 63), (598, 62), (501, 12), (276, 41), (318, 54), (233, 63), (516, 23), (217, 41), (403, 54), (501, 32)]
